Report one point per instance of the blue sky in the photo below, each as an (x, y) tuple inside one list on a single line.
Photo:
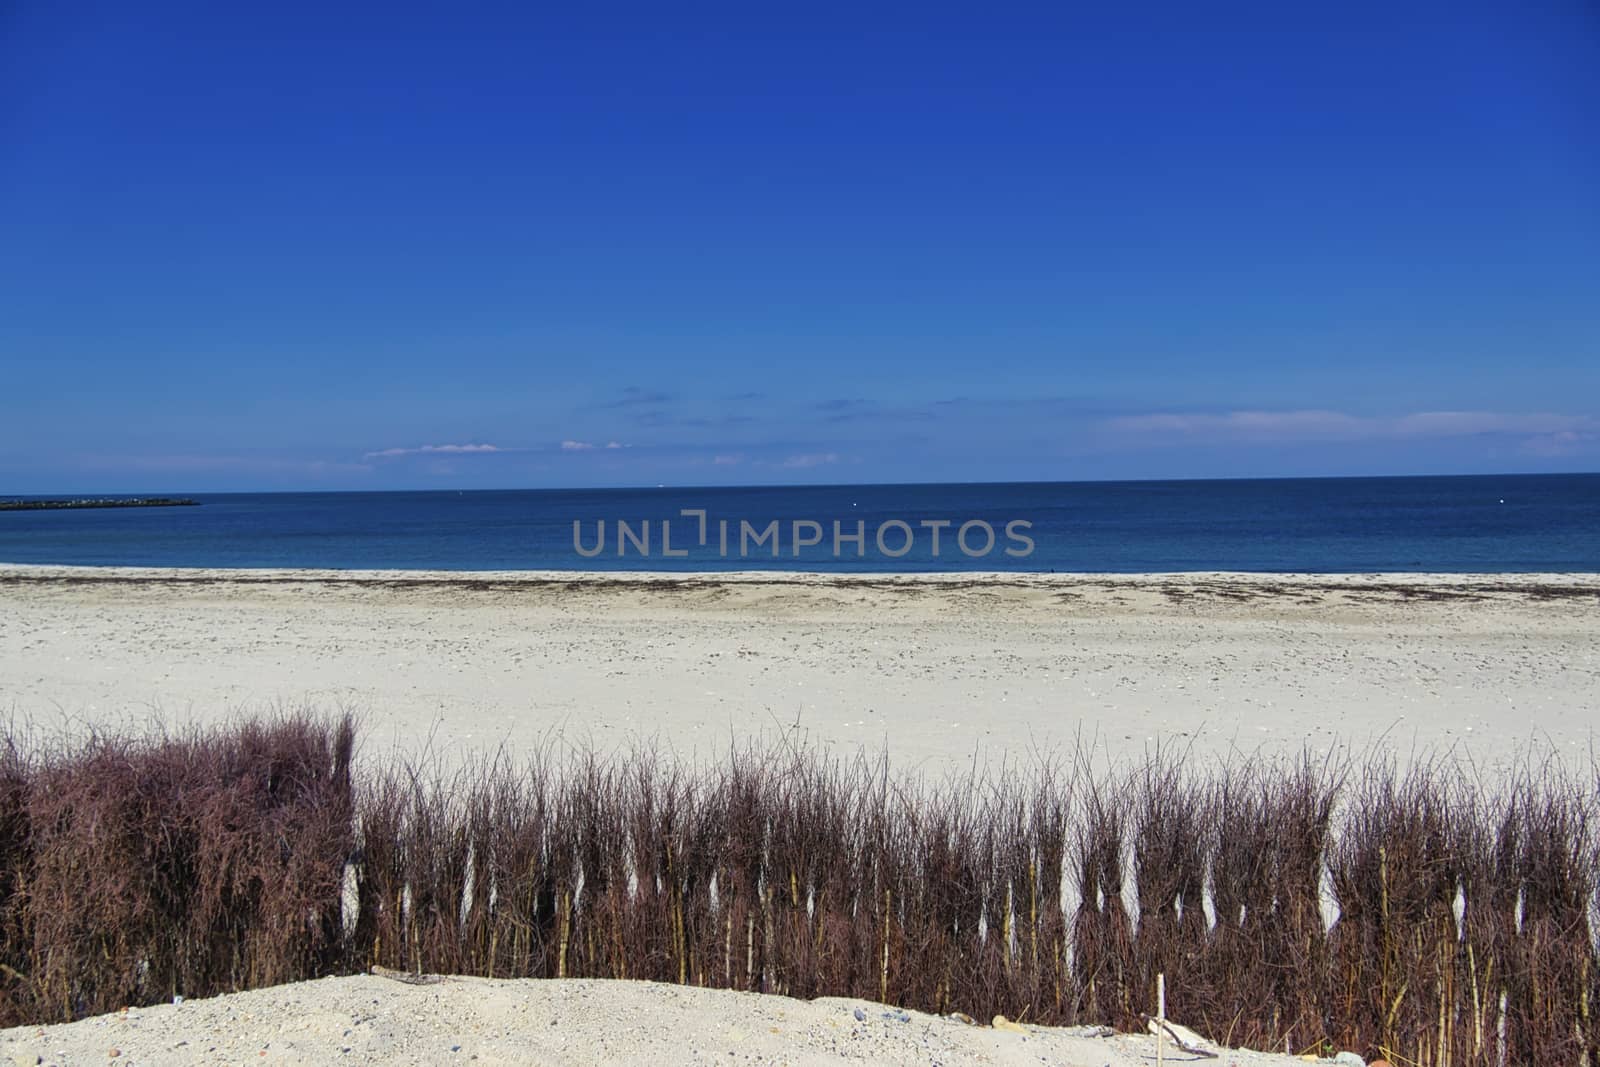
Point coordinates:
[(266, 246)]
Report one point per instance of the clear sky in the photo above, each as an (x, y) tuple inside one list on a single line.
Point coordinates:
[(334, 246)]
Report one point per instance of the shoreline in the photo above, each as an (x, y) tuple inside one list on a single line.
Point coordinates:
[(1582, 582)]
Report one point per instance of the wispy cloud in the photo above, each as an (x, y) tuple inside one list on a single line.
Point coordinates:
[(206, 463), (588, 446), (1323, 425), (1561, 443), (810, 459), (844, 410), (429, 450), (635, 396), (709, 421)]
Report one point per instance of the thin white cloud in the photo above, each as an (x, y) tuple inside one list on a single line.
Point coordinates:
[(811, 459), (428, 450), (727, 461), (1322, 425), (1468, 423), (259, 464), (587, 446), (1561, 443)]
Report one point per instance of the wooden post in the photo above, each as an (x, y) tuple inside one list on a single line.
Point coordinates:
[(1161, 1017)]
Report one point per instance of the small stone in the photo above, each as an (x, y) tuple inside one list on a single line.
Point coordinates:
[(114, 1053), (1349, 1059)]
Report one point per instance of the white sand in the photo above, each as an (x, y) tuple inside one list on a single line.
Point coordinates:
[(371, 1020), (934, 667)]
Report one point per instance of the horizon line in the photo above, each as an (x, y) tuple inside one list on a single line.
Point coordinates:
[(795, 485)]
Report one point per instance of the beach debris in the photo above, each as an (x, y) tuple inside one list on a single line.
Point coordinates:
[(1000, 1022), (406, 976), (897, 1016), (963, 1017), (1350, 1059), (1182, 1036)]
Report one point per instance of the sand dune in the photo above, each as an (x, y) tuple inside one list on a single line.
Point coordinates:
[(370, 1020)]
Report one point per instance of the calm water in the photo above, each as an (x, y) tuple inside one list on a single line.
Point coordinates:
[(1489, 523)]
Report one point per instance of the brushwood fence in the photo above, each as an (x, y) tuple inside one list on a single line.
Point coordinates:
[(1413, 912)]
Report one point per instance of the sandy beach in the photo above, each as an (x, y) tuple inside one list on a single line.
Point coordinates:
[(935, 668)]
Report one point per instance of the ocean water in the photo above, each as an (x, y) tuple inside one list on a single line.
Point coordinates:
[(1459, 524)]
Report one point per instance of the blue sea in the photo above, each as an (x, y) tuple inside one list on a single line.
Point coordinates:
[(1460, 524)]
